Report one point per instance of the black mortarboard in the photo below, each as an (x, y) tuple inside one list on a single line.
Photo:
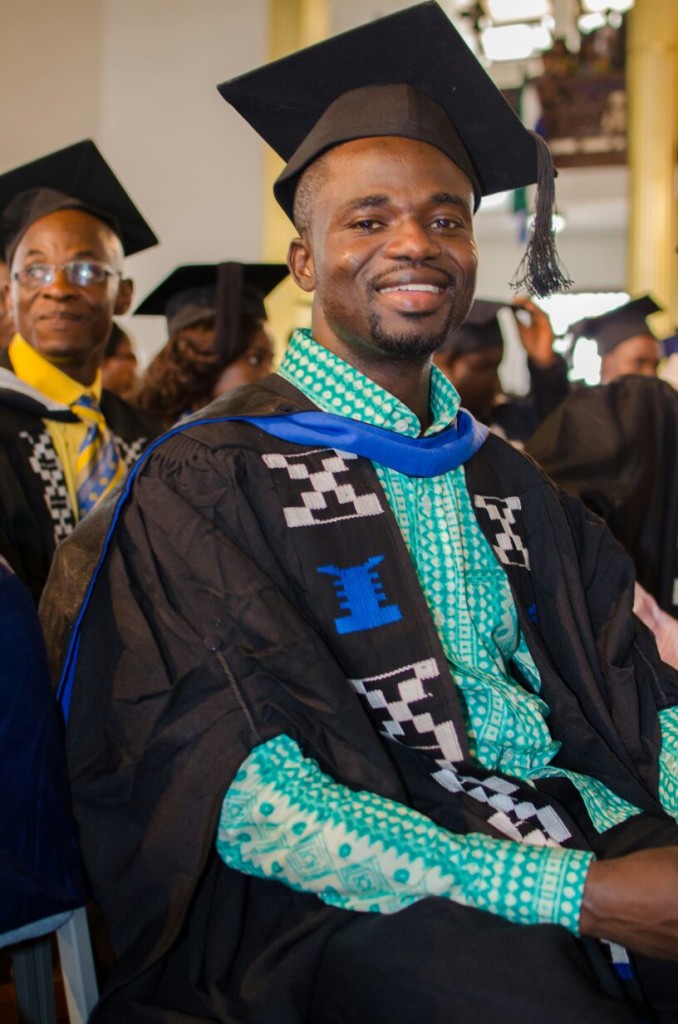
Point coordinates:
[(225, 291), (409, 74), (479, 331), (76, 177), (609, 329)]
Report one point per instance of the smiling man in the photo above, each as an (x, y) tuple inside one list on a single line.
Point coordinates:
[(64, 443), (361, 727)]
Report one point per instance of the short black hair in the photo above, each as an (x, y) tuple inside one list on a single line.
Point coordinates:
[(309, 183)]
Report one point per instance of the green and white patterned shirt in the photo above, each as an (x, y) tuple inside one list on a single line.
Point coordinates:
[(469, 598)]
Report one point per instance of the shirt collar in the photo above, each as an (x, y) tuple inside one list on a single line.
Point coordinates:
[(32, 368), (337, 387)]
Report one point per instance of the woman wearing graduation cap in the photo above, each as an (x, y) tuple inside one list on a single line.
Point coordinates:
[(218, 338)]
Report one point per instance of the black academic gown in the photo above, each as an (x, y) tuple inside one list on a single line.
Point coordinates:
[(35, 510), (208, 629), (615, 447)]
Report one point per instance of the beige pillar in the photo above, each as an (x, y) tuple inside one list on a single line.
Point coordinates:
[(293, 24), (652, 90)]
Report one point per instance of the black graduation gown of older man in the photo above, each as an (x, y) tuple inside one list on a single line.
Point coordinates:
[(35, 509), (208, 630)]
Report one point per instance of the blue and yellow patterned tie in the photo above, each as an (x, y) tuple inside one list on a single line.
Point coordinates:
[(98, 466)]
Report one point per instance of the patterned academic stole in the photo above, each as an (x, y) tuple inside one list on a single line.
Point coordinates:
[(362, 589), (98, 465)]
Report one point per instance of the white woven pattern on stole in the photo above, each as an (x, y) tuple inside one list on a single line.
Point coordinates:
[(324, 498)]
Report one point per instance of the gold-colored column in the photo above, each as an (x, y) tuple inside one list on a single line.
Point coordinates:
[(293, 24), (652, 91)]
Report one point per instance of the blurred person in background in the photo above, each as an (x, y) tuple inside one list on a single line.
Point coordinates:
[(626, 344), (65, 443), (472, 356), (218, 335), (7, 328), (119, 366)]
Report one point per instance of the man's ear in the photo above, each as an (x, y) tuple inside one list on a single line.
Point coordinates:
[(124, 297), (300, 262)]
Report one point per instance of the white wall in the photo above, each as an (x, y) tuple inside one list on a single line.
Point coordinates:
[(49, 79), (192, 163)]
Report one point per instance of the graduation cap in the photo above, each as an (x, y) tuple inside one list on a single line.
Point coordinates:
[(74, 178), (612, 328), (409, 74), (223, 291), (480, 330)]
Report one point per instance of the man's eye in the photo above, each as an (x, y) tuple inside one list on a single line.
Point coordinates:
[(367, 224), (37, 272)]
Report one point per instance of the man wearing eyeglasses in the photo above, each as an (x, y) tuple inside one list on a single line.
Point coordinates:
[(64, 442)]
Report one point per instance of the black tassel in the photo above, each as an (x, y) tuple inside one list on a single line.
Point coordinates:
[(228, 341), (541, 271)]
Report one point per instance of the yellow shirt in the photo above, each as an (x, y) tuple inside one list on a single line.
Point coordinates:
[(30, 367)]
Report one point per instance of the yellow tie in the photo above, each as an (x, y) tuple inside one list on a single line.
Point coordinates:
[(98, 466)]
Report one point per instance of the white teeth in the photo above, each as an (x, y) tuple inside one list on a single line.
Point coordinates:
[(411, 288)]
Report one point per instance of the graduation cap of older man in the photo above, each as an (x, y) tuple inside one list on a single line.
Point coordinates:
[(74, 178), (225, 292), (409, 75)]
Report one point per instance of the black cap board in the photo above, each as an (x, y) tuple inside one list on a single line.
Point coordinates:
[(612, 328), (225, 291), (409, 74), (76, 177), (480, 330)]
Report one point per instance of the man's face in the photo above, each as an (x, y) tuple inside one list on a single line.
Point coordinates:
[(68, 324), (6, 321), (640, 354), (475, 375), (390, 250)]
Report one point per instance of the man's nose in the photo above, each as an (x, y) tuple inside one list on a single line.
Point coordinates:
[(413, 240), (60, 285)]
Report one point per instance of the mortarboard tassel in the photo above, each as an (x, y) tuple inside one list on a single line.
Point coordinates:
[(541, 271), (227, 338)]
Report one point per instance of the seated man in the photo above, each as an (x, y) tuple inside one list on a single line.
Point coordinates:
[(471, 358), (625, 342), (64, 443), (361, 725)]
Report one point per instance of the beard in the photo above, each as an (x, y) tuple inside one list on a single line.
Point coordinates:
[(416, 343)]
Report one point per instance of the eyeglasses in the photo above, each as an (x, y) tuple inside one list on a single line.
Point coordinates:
[(82, 273)]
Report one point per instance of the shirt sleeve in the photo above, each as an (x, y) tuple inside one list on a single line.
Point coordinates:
[(668, 761), (283, 818)]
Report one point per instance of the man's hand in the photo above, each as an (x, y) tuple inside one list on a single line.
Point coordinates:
[(633, 900), (536, 333)]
